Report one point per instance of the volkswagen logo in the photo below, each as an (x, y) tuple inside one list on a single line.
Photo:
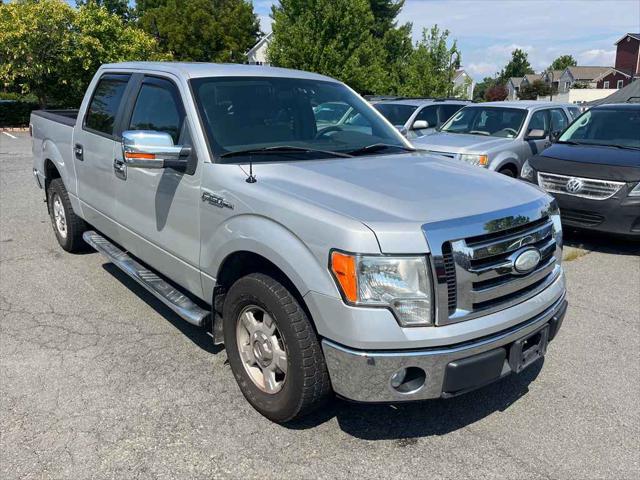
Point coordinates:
[(574, 185), (526, 260)]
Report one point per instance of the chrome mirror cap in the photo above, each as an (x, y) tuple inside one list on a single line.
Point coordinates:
[(151, 149)]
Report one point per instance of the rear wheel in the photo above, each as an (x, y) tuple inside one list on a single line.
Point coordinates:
[(273, 350), (67, 226)]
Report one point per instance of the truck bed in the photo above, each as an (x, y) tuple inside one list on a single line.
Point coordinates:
[(67, 117)]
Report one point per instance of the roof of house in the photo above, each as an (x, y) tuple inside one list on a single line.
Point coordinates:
[(532, 77), (556, 74), (459, 73), (261, 42), (587, 73), (632, 35), (610, 71), (515, 80)]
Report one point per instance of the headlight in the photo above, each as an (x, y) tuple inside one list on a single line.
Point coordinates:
[(527, 171), (401, 284), (554, 214), (473, 159), (636, 191)]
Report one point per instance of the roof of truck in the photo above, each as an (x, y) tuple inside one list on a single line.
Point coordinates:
[(197, 70), (522, 104)]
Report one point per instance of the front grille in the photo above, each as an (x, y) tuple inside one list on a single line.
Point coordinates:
[(581, 217), (578, 186), (483, 268)]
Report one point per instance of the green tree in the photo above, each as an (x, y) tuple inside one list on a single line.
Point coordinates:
[(482, 87), (518, 66), (385, 13), (562, 62), (331, 37), (429, 70), (496, 93), (118, 7), (531, 92), (201, 30), (51, 51)]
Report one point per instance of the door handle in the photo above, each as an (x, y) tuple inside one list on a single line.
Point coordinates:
[(120, 169), (78, 151)]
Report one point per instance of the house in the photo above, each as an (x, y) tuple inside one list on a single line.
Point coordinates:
[(529, 78), (580, 75), (552, 78), (513, 87), (627, 67), (258, 53), (463, 84)]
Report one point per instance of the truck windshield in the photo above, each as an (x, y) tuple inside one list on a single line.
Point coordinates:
[(488, 121), (258, 113), (608, 127), (396, 113)]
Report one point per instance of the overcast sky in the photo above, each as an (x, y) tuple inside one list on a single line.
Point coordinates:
[(488, 30)]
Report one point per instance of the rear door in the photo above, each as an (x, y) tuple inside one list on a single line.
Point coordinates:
[(158, 209), (94, 146)]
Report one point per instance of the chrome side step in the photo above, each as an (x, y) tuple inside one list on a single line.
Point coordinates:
[(163, 291)]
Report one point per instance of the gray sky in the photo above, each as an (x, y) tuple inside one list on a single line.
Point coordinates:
[(488, 30)]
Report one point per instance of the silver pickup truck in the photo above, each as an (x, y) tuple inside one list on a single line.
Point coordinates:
[(326, 259)]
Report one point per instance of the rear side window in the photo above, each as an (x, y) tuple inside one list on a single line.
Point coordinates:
[(158, 108), (102, 111), (558, 120)]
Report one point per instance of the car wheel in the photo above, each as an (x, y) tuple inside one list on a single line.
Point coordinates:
[(273, 350), (67, 226), (509, 171)]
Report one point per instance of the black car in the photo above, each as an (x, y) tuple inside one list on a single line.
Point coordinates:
[(593, 170)]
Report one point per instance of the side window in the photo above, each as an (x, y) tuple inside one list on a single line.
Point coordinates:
[(559, 120), (539, 121), (158, 108), (102, 111), (430, 114), (575, 112), (447, 111)]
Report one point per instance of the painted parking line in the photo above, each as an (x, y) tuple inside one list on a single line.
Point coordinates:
[(9, 135)]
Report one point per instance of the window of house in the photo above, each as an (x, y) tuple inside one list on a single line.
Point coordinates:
[(102, 111), (620, 84), (606, 84), (158, 108), (567, 85)]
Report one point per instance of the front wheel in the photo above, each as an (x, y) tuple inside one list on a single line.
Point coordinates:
[(273, 350)]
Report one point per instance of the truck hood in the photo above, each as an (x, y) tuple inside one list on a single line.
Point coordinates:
[(460, 143), (394, 195)]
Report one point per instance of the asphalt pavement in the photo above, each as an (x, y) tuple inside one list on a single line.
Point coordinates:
[(100, 380)]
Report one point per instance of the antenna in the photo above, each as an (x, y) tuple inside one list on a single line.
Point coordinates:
[(251, 178)]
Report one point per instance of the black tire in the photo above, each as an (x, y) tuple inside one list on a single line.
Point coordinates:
[(71, 239), (509, 172), (306, 385)]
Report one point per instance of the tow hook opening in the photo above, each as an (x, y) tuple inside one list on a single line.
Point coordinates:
[(408, 380)]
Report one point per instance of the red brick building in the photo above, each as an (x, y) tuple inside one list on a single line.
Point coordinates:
[(627, 67)]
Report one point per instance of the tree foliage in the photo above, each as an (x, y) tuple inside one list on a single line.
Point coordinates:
[(201, 30), (51, 50), (118, 7), (430, 70), (331, 37), (534, 90), (518, 66), (496, 93), (482, 87), (562, 62)]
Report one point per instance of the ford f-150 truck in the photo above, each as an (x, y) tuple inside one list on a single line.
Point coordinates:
[(326, 258)]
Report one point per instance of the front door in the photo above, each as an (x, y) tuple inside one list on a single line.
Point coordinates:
[(158, 209), (539, 121), (93, 148)]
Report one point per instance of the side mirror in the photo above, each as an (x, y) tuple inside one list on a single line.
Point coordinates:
[(420, 125), (535, 134), (151, 149)]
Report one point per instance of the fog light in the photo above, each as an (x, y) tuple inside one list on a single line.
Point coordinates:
[(408, 380)]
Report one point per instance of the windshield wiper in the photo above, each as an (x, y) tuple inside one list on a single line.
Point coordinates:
[(571, 142), (282, 149), (376, 147), (593, 144)]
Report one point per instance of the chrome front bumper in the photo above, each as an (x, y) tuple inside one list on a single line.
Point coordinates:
[(365, 376)]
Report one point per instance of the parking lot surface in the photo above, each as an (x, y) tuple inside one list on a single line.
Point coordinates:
[(100, 380)]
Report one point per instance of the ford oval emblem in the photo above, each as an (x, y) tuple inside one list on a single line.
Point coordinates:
[(527, 260)]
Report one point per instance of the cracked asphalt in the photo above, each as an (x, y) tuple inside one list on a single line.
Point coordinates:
[(99, 380)]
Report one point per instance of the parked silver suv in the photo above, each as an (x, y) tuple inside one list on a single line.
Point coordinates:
[(418, 117), (499, 136)]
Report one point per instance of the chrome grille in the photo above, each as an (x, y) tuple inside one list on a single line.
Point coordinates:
[(484, 274), (592, 188)]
